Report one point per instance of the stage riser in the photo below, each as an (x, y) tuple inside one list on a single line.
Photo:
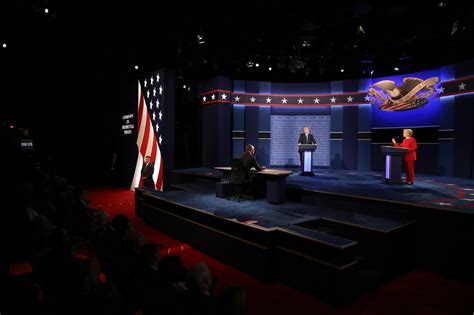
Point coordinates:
[(268, 238)]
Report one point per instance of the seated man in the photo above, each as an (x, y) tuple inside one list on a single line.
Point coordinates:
[(249, 161)]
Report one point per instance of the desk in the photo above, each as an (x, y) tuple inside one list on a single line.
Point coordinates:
[(275, 178)]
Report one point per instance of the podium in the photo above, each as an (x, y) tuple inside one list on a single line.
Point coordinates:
[(393, 164), (306, 153)]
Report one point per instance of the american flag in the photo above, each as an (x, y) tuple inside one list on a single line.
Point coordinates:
[(149, 132)]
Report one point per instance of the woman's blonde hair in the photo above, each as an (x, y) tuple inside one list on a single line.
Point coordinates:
[(410, 132)]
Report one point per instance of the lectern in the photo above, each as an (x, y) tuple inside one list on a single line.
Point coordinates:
[(306, 152), (393, 164)]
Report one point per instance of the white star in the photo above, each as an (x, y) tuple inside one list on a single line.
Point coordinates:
[(237, 99), (462, 86), (158, 78), (224, 96), (300, 101), (252, 99), (349, 99), (151, 80), (213, 97), (316, 100), (154, 92), (161, 140), (269, 100), (204, 98), (157, 128), (145, 83), (160, 114), (367, 98), (333, 99), (284, 101), (157, 103), (151, 105), (147, 94), (444, 204), (154, 116), (441, 90), (161, 90), (468, 199)]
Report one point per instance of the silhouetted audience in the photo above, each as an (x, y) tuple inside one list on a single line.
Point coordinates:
[(63, 257)]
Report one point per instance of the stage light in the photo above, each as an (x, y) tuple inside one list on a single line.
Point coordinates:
[(306, 44), (4, 45), (189, 88), (442, 4), (11, 126), (46, 10), (360, 29), (257, 65), (200, 39), (136, 67), (371, 72), (250, 64), (396, 68), (342, 70), (184, 86), (269, 68)]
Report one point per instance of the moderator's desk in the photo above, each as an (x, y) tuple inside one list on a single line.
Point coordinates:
[(275, 179)]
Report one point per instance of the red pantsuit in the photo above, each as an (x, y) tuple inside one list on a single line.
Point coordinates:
[(409, 158)]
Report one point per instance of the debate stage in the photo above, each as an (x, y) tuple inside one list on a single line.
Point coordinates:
[(338, 234)]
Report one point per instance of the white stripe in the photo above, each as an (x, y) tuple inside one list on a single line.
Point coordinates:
[(138, 172)]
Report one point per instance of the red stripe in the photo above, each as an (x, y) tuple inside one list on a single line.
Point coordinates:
[(143, 145), (159, 182), (153, 149)]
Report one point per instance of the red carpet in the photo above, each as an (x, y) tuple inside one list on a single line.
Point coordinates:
[(417, 292)]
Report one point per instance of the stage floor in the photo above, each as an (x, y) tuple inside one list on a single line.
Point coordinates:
[(447, 193)]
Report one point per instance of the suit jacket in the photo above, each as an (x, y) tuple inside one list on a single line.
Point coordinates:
[(249, 161), (302, 139), (147, 171), (410, 144)]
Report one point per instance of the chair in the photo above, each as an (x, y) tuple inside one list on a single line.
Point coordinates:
[(239, 179)]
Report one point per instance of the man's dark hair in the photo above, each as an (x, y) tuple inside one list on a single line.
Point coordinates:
[(121, 224), (147, 253)]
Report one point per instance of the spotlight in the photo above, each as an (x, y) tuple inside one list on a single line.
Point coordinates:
[(360, 29), (269, 68), (250, 64), (136, 67), (46, 10), (371, 72), (342, 70), (200, 39), (11, 126), (4, 45), (441, 4), (189, 88), (257, 65), (396, 68), (184, 86), (305, 44)]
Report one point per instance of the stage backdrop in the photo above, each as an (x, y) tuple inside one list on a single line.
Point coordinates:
[(351, 120), (285, 131)]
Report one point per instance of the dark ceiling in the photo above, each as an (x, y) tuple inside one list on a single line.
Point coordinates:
[(85, 47)]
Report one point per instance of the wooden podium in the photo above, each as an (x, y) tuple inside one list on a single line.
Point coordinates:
[(393, 164), (306, 152)]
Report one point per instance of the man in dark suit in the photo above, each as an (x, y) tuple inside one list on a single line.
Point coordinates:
[(147, 173), (305, 138), (249, 160)]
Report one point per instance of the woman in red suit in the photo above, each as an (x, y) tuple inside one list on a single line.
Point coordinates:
[(410, 143)]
